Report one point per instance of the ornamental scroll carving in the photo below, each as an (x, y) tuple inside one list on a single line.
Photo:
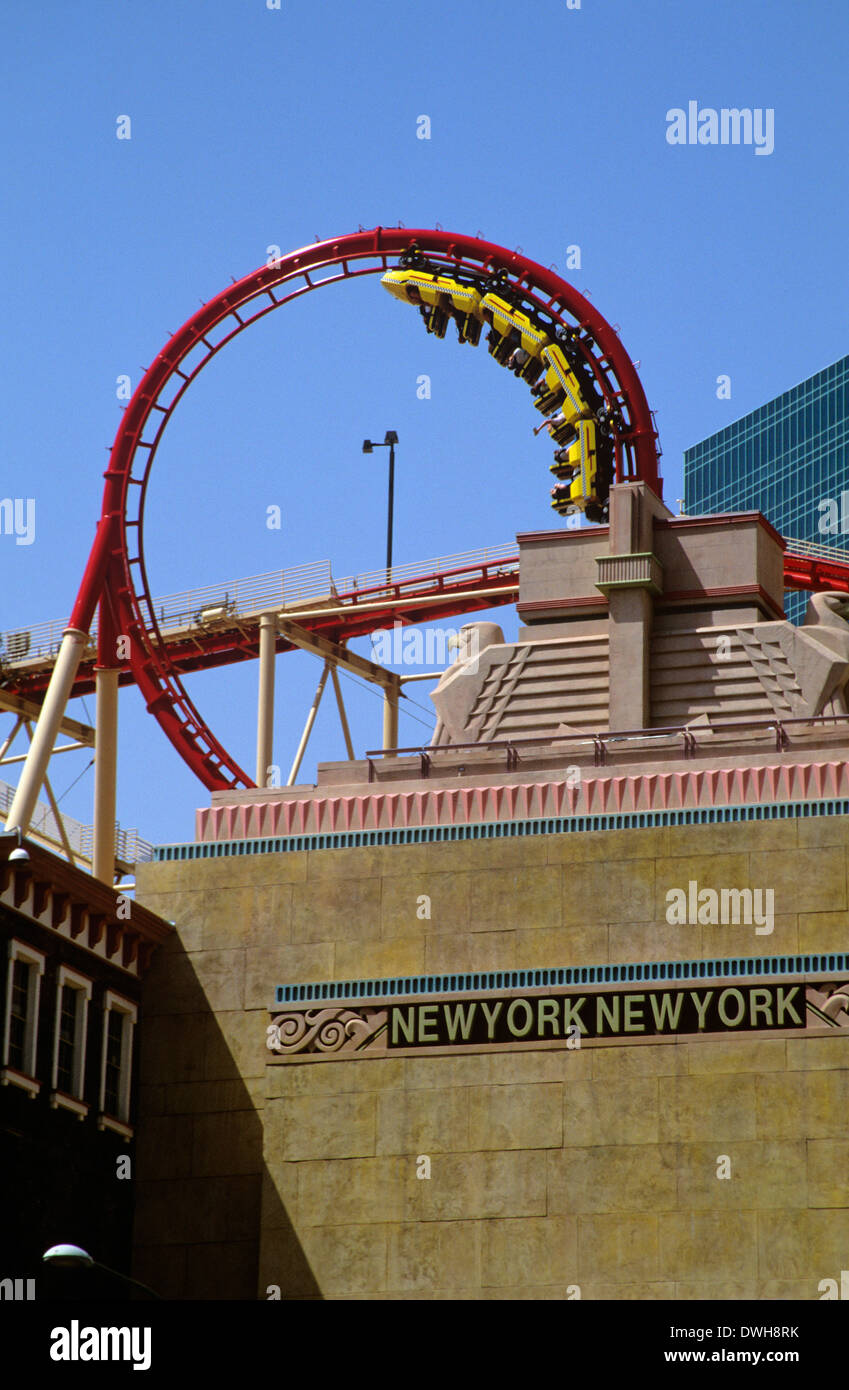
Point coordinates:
[(829, 1002), (325, 1030)]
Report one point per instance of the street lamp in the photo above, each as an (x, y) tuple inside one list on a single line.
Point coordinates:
[(390, 695), (74, 1257), (369, 445)]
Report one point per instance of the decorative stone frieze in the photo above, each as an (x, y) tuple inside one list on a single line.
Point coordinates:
[(629, 572)]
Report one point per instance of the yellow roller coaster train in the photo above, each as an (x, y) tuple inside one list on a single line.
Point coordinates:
[(544, 355)]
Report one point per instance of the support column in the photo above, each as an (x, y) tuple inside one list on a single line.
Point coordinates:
[(105, 774), (390, 715), (631, 576), (265, 709), (10, 739), (343, 718), (630, 618), (46, 730), (305, 736)]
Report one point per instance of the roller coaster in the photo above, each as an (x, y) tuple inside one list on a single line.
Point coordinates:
[(533, 345), (540, 328)]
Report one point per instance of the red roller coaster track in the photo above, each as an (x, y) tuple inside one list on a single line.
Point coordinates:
[(116, 572)]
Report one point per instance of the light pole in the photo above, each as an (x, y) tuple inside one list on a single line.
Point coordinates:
[(390, 696), (369, 445)]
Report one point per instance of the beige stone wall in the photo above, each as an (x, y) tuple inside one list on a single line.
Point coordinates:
[(549, 1169)]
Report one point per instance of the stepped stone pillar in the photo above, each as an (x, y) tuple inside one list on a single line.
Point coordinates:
[(631, 576)]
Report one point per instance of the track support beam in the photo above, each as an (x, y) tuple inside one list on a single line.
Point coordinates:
[(343, 717), (305, 736), (105, 775), (338, 655), (390, 718), (10, 738), (265, 704), (74, 641), (28, 709)]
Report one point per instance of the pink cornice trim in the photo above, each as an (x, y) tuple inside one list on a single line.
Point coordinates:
[(649, 791)]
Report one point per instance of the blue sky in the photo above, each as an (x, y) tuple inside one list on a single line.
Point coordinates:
[(254, 127)]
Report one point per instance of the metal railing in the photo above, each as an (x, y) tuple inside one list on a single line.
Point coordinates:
[(259, 593), (600, 739), (403, 576), (130, 847), (814, 551)]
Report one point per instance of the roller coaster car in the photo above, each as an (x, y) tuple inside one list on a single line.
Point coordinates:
[(445, 296), (521, 364), (511, 329), (562, 426), (578, 462), (563, 466), (560, 388), (435, 320), (593, 511), (567, 362), (468, 323), (463, 303)]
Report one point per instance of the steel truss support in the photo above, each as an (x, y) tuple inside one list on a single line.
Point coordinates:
[(28, 709), (74, 642), (54, 806), (336, 655), (22, 757), (305, 736), (10, 739), (343, 717)]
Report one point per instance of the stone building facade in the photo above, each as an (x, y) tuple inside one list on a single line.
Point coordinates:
[(295, 1142), (549, 1169)]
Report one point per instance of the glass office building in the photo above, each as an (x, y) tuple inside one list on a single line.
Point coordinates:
[(785, 459)]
